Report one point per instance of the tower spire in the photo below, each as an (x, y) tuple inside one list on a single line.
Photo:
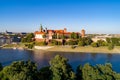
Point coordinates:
[(41, 28)]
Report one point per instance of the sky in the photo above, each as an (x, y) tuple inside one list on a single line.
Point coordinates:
[(95, 16)]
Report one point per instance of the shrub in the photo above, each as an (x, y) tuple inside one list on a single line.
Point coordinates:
[(54, 42), (94, 44), (101, 43), (59, 43), (43, 43), (73, 47), (81, 43), (110, 46), (72, 42), (87, 40), (30, 46)]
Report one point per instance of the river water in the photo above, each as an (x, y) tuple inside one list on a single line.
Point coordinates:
[(42, 58)]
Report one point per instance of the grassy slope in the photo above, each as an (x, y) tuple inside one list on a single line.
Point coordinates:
[(77, 49), (85, 49), (14, 45)]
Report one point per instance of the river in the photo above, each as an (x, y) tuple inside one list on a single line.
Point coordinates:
[(42, 58)]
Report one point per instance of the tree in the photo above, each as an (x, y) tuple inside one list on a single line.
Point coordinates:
[(110, 46), (77, 36), (94, 44), (63, 36), (30, 46), (108, 40), (44, 73), (74, 35), (98, 72), (28, 38), (106, 71), (54, 36), (87, 40), (61, 70), (115, 41), (44, 36), (72, 42), (101, 43), (54, 42), (1, 67), (42, 43), (81, 43), (24, 40), (20, 71), (84, 41), (90, 73), (79, 72)]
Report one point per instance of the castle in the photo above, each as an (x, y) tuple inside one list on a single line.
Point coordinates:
[(48, 34)]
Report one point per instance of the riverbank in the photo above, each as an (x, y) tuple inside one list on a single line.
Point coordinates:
[(86, 49), (14, 46)]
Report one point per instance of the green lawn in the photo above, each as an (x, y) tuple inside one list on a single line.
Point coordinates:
[(14, 45), (85, 49), (10, 45)]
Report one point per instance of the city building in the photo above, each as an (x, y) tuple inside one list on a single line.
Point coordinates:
[(8, 33), (5, 40), (101, 37)]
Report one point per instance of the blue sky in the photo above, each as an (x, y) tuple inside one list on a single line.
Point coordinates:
[(95, 16)]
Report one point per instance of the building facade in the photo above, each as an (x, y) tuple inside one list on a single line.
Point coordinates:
[(48, 34), (5, 40)]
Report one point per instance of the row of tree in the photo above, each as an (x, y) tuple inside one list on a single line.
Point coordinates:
[(59, 69), (74, 37), (28, 38), (115, 41), (81, 42), (74, 40), (110, 42)]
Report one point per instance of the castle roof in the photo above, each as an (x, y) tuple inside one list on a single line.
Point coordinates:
[(37, 32)]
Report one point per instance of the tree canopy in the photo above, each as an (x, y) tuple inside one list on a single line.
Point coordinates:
[(21, 70), (28, 38), (61, 70)]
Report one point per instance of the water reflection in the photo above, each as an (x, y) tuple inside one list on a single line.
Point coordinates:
[(93, 56), (109, 57), (42, 58)]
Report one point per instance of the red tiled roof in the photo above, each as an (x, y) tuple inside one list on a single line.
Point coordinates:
[(56, 31), (59, 31), (39, 32)]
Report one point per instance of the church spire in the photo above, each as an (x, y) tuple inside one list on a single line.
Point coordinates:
[(41, 28)]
